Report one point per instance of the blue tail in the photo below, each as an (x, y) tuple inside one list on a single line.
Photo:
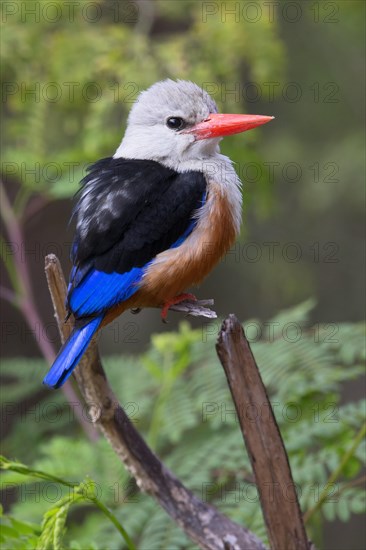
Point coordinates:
[(71, 353)]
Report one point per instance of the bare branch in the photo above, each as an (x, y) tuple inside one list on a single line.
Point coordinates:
[(195, 308), (207, 527), (263, 440)]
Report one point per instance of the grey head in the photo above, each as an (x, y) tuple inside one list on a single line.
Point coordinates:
[(159, 125)]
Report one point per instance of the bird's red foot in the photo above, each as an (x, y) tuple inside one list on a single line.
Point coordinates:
[(176, 300)]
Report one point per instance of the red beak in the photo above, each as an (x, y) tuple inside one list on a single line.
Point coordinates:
[(219, 125)]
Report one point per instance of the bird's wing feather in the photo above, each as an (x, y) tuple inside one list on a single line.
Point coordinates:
[(128, 212)]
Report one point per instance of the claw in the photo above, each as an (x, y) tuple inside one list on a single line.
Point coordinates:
[(173, 301)]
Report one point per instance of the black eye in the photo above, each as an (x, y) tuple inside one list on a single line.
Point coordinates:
[(175, 123)]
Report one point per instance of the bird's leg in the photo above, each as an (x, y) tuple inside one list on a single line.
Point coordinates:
[(176, 300)]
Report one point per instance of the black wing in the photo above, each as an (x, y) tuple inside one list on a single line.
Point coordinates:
[(131, 210)]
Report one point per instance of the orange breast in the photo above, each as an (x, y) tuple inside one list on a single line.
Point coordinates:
[(174, 270)]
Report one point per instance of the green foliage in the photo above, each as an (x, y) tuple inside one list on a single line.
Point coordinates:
[(59, 106), (53, 525), (177, 395), (15, 534)]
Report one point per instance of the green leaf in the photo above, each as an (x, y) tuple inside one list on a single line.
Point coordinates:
[(9, 531), (25, 527)]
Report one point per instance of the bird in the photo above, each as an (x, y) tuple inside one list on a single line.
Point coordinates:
[(156, 217)]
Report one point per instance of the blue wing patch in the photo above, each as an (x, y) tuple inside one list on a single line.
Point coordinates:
[(100, 291)]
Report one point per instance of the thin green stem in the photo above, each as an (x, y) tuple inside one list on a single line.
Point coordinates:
[(115, 522), (335, 475), (14, 266), (155, 423), (9, 264), (21, 201), (20, 468)]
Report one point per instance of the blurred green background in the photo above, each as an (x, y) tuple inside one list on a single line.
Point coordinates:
[(70, 73)]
